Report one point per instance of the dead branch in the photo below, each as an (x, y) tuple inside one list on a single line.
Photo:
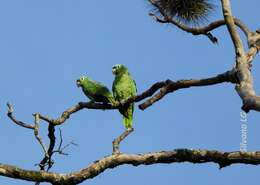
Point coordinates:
[(245, 87), (18, 122), (223, 159), (195, 31)]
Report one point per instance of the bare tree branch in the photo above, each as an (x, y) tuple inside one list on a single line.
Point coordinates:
[(37, 136), (223, 159), (20, 123), (119, 139), (196, 31), (164, 86), (238, 45), (81, 105), (245, 87), (47, 160), (90, 105), (171, 86), (61, 148)]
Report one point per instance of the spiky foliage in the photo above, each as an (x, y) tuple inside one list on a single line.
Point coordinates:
[(186, 11)]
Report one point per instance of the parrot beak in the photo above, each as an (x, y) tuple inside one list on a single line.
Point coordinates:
[(78, 83), (114, 71)]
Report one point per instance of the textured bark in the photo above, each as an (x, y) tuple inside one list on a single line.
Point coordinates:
[(245, 87), (18, 122), (223, 159), (171, 86)]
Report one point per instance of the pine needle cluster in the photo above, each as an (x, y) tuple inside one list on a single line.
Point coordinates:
[(186, 11)]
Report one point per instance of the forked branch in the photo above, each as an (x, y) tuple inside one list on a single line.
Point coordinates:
[(245, 87)]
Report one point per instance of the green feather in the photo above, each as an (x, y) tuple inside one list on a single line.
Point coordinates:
[(124, 87), (95, 91)]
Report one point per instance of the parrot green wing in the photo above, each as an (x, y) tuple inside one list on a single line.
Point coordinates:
[(97, 92)]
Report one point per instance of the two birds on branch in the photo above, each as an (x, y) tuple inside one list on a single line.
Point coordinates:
[(123, 88)]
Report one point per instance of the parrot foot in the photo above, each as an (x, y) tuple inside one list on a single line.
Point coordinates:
[(115, 103), (118, 140)]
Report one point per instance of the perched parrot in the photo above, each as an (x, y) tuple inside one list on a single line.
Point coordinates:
[(95, 91), (124, 87)]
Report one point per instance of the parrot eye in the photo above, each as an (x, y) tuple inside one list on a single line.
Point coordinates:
[(116, 67)]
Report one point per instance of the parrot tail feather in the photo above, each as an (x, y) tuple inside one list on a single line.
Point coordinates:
[(128, 122)]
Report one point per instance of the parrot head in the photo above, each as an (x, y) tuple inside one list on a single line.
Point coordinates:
[(119, 69), (81, 80)]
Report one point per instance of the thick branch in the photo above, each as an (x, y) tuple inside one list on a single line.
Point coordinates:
[(223, 159), (245, 87), (238, 45), (29, 175)]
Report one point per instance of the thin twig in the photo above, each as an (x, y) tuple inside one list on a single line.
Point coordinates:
[(37, 135), (61, 149), (119, 139), (18, 122)]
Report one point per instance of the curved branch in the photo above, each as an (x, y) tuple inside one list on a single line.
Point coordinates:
[(196, 31), (37, 135), (223, 159), (165, 87), (18, 122), (81, 105), (171, 86), (230, 22), (29, 175), (90, 105)]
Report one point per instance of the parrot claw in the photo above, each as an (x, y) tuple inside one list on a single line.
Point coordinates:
[(115, 104)]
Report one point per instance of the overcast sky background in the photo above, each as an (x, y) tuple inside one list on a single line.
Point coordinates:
[(46, 45)]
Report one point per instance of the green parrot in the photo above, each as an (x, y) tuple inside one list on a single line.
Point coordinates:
[(95, 91), (123, 88)]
